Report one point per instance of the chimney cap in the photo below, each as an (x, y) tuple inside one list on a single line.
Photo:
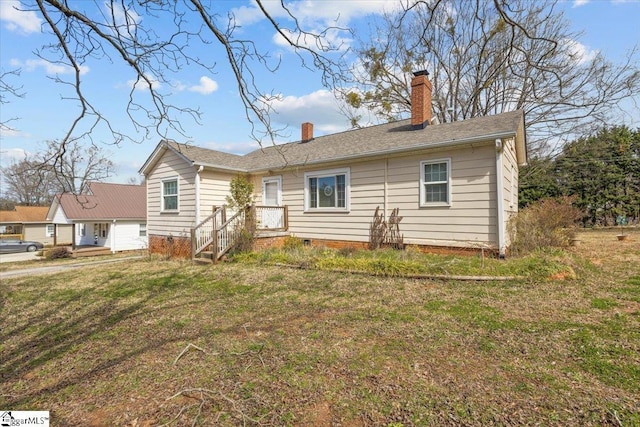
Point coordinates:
[(420, 73)]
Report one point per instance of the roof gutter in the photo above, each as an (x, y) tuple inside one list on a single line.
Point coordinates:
[(220, 167)]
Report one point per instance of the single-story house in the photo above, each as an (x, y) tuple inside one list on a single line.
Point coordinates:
[(112, 216), (30, 223), (455, 184)]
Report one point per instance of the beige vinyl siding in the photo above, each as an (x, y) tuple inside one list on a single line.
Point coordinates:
[(470, 218), (36, 233), (178, 223), (65, 234), (366, 190), (214, 189)]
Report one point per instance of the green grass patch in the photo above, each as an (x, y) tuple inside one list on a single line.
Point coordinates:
[(396, 263), (603, 303)]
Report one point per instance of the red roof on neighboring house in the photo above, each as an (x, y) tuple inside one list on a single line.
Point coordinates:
[(106, 201), (24, 214)]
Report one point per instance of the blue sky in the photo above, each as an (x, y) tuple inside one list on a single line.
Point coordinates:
[(609, 26)]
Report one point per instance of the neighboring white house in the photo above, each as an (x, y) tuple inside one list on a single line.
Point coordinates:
[(456, 184), (104, 215)]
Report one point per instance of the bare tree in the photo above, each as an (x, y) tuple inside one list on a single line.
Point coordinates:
[(27, 182), (156, 39), (77, 166), (8, 90), (36, 179), (489, 57)]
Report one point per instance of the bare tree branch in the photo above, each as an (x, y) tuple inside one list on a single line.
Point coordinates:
[(489, 57)]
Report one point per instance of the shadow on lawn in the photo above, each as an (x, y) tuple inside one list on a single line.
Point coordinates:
[(53, 339)]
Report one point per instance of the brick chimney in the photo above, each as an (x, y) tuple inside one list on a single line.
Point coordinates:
[(307, 132), (420, 100)]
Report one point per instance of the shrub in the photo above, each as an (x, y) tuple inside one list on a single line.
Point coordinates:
[(547, 223), (241, 190), (58, 253)]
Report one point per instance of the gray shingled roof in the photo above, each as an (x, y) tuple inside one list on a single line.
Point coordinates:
[(371, 141)]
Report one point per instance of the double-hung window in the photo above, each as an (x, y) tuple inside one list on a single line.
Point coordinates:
[(327, 190), (143, 230), (51, 229), (170, 194), (435, 182)]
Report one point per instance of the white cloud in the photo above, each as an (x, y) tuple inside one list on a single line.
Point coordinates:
[(49, 67), (10, 155), (315, 16), (142, 85), (580, 52), (327, 12), (17, 19), (578, 3), (205, 87), (320, 108), (125, 20)]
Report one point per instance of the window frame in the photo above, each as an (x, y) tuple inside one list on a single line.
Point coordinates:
[(163, 195), (271, 179), (142, 229), (50, 233), (325, 174), (423, 183)]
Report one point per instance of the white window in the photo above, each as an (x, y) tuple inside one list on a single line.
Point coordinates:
[(435, 182), (82, 230), (51, 228), (143, 230), (327, 190), (170, 194)]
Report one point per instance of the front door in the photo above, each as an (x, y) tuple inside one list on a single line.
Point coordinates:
[(272, 196)]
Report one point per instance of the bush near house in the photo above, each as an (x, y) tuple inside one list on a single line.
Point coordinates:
[(57, 253), (546, 223)]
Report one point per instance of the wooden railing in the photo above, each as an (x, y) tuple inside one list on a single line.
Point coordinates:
[(271, 218), (220, 234), (11, 236), (226, 236), (202, 235)]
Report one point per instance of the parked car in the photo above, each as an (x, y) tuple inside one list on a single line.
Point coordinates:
[(15, 245)]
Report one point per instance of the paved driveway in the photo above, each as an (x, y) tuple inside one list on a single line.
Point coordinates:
[(18, 256), (32, 271)]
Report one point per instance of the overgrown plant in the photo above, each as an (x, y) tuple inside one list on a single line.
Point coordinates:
[(385, 232), (241, 190), (547, 223), (241, 197), (58, 253)]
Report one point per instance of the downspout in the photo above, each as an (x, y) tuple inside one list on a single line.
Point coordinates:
[(500, 198), (200, 169)]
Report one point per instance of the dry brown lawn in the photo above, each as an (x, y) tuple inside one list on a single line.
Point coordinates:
[(100, 346)]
